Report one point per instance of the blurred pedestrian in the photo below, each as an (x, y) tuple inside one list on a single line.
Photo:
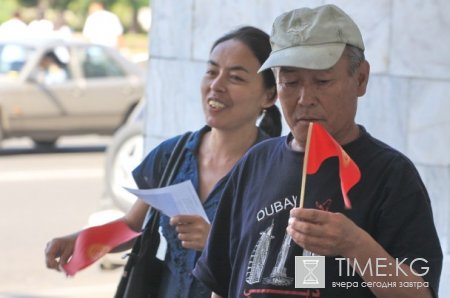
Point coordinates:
[(103, 27), (40, 27), (51, 69), (15, 27), (61, 29)]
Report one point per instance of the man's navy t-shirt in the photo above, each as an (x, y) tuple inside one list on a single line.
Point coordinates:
[(249, 253)]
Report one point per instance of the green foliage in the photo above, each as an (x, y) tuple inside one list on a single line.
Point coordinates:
[(28, 3), (7, 8), (60, 5)]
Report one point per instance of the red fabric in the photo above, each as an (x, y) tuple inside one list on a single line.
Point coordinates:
[(323, 146), (93, 243)]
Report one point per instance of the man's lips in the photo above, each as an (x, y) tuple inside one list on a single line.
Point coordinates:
[(306, 120)]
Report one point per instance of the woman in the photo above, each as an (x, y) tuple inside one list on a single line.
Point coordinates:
[(234, 95)]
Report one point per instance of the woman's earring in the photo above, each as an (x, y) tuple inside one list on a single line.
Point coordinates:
[(261, 117)]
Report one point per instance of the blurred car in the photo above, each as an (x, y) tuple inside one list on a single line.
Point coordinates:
[(123, 154), (53, 88)]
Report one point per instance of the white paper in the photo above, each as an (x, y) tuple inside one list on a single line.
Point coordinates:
[(177, 199)]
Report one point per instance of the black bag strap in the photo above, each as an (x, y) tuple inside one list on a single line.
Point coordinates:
[(173, 163), (174, 160)]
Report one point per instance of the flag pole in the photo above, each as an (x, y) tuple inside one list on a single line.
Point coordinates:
[(305, 166)]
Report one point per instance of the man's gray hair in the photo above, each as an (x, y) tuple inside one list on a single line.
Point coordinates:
[(355, 57)]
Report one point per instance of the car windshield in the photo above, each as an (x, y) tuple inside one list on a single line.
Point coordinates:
[(13, 58)]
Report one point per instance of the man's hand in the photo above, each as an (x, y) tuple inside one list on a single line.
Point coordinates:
[(330, 234), (324, 233), (192, 230)]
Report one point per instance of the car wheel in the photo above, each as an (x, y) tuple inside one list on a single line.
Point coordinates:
[(122, 156), (44, 144)]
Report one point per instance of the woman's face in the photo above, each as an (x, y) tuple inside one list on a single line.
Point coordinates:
[(233, 93)]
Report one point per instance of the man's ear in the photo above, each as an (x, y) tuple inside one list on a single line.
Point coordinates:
[(363, 77)]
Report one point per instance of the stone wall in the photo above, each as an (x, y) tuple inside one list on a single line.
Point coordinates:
[(407, 102)]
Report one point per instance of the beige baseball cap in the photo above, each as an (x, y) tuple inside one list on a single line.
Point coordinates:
[(311, 38)]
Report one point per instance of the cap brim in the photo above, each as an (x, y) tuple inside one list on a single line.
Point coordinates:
[(310, 57)]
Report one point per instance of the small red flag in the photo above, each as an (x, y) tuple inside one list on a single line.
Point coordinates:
[(93, 243), (323, 146)]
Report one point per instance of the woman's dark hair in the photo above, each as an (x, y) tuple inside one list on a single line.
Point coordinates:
[(258, 42)]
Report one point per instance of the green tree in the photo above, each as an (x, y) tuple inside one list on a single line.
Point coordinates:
[(28, 3), (128, 12)]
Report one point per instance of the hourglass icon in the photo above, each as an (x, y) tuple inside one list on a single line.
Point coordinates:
[(310, 278)]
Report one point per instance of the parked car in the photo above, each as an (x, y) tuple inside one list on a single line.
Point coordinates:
[(123, 154), (53, 88)]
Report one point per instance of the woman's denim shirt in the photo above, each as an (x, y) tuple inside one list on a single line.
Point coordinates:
[(179, 262)]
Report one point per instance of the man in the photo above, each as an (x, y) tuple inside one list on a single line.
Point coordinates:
[(51, 70), (385, 245)]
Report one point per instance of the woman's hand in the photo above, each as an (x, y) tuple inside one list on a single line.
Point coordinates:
[(59, 251), (192, 230)]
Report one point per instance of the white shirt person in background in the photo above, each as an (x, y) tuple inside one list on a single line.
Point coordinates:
[(102, 27), (41, 27), (14, 27), (61, 29)]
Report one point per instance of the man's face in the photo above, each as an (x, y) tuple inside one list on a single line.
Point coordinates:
[(325, 96)]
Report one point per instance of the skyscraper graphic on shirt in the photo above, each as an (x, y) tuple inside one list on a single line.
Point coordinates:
[(278, 275), (258, 257)]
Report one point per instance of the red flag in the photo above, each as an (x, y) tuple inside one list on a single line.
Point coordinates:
[(93, 243), (323, 146)]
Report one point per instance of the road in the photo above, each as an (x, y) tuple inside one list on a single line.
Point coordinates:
[(44, 195)]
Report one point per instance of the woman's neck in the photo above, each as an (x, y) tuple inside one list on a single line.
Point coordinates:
[(229, 144), (218, 152)]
